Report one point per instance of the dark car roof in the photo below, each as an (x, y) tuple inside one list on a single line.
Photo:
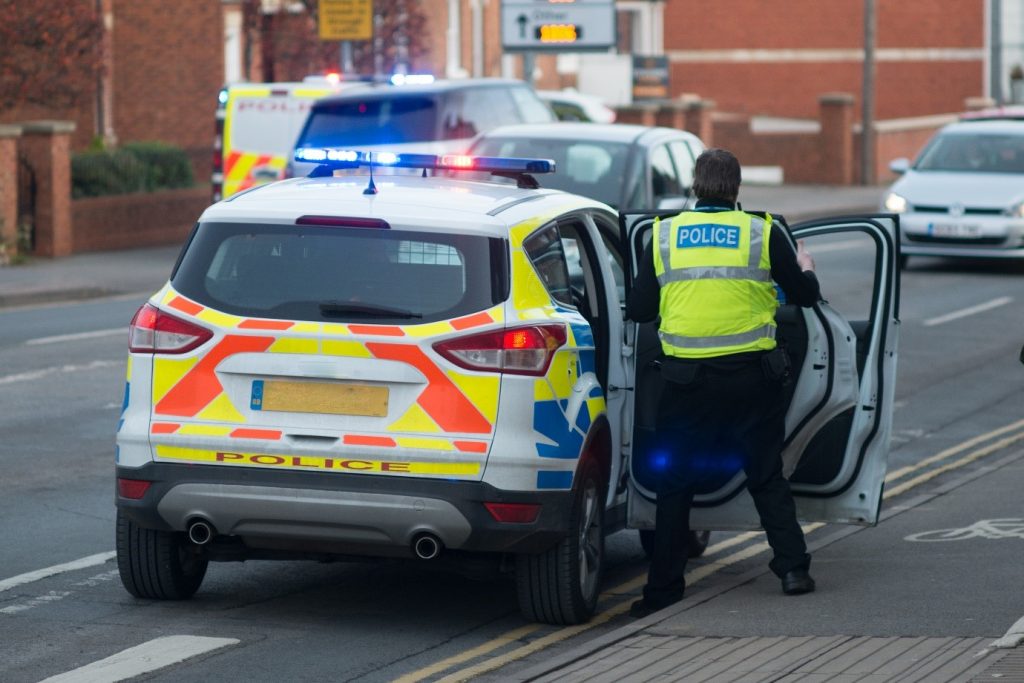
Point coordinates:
[(383, 90)]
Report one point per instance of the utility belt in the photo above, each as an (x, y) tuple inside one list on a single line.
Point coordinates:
[(775, 365)]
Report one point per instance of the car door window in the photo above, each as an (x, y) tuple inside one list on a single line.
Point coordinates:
[(545, 250), (684, 162), (664, 179), (530, 107)]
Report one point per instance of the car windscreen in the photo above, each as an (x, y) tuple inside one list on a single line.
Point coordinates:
[(341, 274), (585, 167), (359, 122), (975, 152)]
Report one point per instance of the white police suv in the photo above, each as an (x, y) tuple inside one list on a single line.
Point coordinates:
[(417, 366)]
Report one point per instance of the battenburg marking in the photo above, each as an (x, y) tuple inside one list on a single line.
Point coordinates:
[(708, 235)]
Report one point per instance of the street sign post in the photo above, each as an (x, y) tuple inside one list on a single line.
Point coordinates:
[(557, 25), (346, 19)]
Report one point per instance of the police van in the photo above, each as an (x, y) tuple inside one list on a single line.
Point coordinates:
[(256, 127), (423, 366)]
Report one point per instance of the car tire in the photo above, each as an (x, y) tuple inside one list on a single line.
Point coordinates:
[(904, 259), (561, 585), (158, 565), (698, 542)]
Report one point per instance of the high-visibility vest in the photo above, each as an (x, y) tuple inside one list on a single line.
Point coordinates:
[(714, 273)]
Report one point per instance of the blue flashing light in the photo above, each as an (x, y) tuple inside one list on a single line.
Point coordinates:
[(348, 158), (222, 96)]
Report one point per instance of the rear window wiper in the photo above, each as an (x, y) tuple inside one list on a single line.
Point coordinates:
[(367, 310)]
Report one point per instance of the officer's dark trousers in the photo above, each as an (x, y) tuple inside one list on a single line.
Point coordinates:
[(721, 419)]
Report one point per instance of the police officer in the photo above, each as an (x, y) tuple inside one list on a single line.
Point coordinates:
[(708, 272)]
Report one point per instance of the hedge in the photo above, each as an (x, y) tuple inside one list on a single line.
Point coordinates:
[(133, 167)]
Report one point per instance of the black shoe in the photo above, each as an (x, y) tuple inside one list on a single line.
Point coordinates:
[(797, 581), (641, 608)]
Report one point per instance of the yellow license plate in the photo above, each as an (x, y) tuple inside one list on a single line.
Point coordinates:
[(320, 397)]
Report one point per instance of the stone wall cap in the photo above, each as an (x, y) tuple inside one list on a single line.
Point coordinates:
[(836, 98), (48, 126), (700, 104), (10, 131)]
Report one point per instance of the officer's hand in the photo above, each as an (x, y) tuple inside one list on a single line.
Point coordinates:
[(803, 257)]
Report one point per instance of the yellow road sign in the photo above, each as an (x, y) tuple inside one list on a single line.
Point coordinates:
[(346, 19)]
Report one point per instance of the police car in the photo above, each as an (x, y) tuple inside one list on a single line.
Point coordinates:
[(420, 366)]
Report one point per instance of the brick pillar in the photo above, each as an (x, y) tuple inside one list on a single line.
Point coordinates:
[(698, 120), (47, 149), (8, 192), (640, 114), (672, 114), (836, 139)]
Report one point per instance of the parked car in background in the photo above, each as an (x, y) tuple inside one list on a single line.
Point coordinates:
[(622, 165), (964, 195), (436, 117), (570, 105)]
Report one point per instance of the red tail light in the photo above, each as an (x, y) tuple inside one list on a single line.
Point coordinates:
[(133, 488), (153, 331), (515, 350), (513, 513)]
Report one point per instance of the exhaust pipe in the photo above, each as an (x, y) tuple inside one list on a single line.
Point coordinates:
[(200, 532), (426, 546)]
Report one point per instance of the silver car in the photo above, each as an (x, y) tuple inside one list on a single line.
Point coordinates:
[(964, 195)]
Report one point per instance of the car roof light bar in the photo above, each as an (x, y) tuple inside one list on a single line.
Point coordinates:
[(334, 158)]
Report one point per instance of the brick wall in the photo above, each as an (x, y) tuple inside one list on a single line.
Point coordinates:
[(168, 69), (136, 220), (787, 80)]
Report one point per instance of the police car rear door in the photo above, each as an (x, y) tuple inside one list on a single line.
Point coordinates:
[(840, 398)]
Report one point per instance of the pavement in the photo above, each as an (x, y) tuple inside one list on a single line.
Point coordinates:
[(886, 582), (143, 271)]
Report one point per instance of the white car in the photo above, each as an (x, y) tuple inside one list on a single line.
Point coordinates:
[(427, 367), (572, 105), (964, 195)]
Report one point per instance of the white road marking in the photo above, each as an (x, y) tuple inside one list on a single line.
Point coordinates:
[(142, 659), (76, 336), (971, 310), (1014, 636), (43, 372), (52, 596), (81, 563)]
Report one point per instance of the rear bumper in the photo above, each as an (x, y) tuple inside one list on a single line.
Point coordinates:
[(307, 512)]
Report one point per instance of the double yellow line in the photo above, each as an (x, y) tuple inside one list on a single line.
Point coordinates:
[(1011, 434)]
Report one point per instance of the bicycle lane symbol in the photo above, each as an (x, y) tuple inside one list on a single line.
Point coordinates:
[(992, 529)]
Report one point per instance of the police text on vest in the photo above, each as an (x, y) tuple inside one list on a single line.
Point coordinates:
[(708, 235)]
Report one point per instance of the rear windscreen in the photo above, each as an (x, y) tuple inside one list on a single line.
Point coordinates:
[(380, 121), (336, 274)]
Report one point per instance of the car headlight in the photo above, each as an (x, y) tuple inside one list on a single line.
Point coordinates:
[(1016, 211), (895, 203)]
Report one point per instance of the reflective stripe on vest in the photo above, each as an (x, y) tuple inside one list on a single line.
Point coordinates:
[(716, 298)]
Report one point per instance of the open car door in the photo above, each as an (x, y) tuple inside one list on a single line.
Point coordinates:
[(840, 400)]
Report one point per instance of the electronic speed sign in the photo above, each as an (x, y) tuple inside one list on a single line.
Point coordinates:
[(557, 25)]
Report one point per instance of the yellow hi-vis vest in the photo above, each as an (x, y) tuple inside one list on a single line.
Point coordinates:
[(714, 273)]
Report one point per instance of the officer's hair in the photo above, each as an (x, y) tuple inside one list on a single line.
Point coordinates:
[(716, 175)]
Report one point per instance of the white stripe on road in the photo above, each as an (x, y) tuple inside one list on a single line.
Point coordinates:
[(76, 336), (1014, 636), (81, 563), (971, 310), (141, 659), (43, 372)]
